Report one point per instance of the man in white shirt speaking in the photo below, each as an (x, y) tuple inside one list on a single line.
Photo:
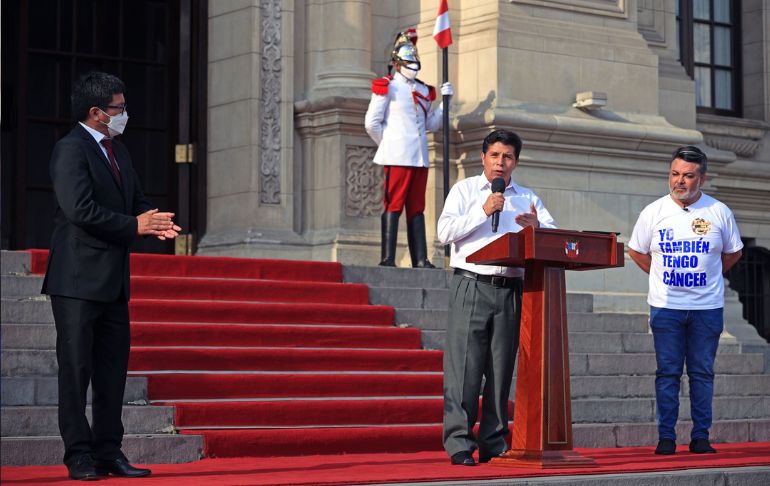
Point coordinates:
[(482, 333), (685, 240)]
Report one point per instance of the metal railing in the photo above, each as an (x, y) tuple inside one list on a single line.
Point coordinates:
[(750, 277)]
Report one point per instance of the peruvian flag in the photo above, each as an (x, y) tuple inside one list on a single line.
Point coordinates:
[(442, 32)]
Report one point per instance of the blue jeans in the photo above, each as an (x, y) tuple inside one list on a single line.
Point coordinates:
[(681, 336)]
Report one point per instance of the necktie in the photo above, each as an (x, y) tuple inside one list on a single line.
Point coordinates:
[(113, 164)]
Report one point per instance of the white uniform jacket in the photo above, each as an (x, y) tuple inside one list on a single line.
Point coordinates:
[(399, 113)]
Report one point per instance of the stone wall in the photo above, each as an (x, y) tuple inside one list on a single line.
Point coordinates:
[(289, 162)]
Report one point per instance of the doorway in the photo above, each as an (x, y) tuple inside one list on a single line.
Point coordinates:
[(152, 45)]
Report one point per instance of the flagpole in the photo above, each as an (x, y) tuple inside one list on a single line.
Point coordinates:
[(445, 62)]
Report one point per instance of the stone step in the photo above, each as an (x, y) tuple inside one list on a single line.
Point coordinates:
[(25, 310), (644, 364), (140, 449), (397, 277), (43, 420), (438, 299), (607, 322), (43, 336), (409, 297), (21, 362), (28, 363), (591, 342), (28, 336), (14, 262), (436, 319), (644, 386), (613, 410), (19, 286), (44, 390), (620, 302), (646, 434)]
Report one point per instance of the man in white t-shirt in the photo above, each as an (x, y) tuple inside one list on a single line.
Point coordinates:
[(685, 240)]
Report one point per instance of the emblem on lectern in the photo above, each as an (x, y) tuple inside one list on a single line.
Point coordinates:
[(572, 248)]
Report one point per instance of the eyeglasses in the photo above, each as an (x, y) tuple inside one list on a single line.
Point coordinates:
[(122, 108)]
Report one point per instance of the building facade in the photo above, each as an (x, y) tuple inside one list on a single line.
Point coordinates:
[(289, 165), (260, 146)]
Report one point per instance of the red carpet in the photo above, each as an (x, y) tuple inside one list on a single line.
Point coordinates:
[(190, 386), (314, 368), (240, 289), (219, 267), (151, 310), (283, 359), (390, 468), (279, 413), (255, 335)]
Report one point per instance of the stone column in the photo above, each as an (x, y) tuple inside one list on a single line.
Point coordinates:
[(339, 48), (250, 141), (340, 199)]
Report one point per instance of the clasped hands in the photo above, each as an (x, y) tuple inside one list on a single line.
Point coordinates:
[(496, 201), (155, 223)]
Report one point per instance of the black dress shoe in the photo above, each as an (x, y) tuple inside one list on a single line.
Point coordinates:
[(486, 459), (119, 467), (666, 447), (701, 446), (83, 469), (463, 458)]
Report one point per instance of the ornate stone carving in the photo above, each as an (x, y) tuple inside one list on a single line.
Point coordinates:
[(741, 147), (270, 103), (738, 135), (363, 182)]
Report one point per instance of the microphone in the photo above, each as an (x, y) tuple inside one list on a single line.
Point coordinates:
[(498, 185)]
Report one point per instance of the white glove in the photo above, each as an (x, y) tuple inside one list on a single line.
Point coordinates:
[(446, 89)]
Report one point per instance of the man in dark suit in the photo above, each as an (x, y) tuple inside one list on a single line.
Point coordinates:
[(100, 210)]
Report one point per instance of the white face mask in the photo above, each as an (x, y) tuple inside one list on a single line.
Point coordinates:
[(409, 71), (117, 123)]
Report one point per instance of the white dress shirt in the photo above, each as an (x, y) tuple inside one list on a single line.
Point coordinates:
[(465, 225), (397, 121), (98, 136)]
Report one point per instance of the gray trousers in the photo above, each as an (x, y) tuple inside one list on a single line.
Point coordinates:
[(482, 338)]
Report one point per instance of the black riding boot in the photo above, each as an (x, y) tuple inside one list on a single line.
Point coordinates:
[(389, 226), (418, 248)]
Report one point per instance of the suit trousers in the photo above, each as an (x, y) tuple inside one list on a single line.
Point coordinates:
[(482, 338), (92, 346)]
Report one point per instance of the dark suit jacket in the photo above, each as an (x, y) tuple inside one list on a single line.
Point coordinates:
[(95, 220)]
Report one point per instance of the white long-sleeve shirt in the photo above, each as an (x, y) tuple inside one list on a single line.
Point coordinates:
[(465, 225), (397, 121)]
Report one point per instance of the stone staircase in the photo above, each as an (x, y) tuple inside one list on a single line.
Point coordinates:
[(28, 385), (612, 361)]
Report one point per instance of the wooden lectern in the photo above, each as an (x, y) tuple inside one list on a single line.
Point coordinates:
[(542, 424)]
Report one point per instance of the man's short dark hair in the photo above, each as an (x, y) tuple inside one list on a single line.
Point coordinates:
[(691, 153), (94, 89), (506, 137)]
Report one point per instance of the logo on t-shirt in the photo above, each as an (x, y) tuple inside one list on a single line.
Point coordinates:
[(700, 226)]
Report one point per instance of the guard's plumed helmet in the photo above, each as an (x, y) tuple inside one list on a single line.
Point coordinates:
[(404, 50)]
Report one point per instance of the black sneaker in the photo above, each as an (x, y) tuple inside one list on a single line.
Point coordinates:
[(701, 446), (666, 447)]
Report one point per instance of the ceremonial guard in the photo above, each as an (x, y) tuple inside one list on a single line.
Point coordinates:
[(399, 114)]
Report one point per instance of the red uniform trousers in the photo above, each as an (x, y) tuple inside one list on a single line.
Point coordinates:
[(405, 186)]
